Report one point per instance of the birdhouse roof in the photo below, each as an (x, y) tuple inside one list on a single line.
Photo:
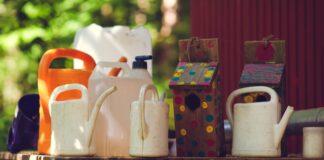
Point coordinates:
[(262, 74), (193, 74)]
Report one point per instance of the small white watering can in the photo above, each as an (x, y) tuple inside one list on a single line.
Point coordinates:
[(149, 125), (257, 131), (71, 128)]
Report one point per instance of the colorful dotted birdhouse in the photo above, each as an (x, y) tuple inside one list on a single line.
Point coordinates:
[(198, 113)]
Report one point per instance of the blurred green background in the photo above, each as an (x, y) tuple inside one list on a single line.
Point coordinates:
[(29, 28)]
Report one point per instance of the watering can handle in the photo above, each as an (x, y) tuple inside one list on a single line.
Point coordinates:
[(66, 87), (270, 91), (52, 54), (102, 64), (155, 97)]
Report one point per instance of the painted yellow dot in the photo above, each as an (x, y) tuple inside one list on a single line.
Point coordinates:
[(193, 83), (177, 74), (203, 64), (182, 108), (204, 105), (210, 72), (209, 129), (180, 71), (183, 132), (248, 99), (189, 64), (208, 75), (181, 83)]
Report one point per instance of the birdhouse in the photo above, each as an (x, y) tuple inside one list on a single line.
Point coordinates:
[(264, 66), (197, 108)]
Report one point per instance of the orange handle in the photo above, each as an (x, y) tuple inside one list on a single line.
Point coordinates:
[(50, 55), (115, 71)]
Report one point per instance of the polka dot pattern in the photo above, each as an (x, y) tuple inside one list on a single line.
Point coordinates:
[(178, 117), (192, 73), (209, 118), (182, 108), (205, 100), (208, 98), (178, 100), (180, 141), (183, 132), (194, 124), (194, 143), (209, 129), (204, 105)]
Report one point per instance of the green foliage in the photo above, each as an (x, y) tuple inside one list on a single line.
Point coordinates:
[(29, 28)]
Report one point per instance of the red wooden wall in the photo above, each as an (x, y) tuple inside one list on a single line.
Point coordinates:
[(299, 22)]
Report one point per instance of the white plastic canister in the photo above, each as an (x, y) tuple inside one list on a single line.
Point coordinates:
[(111, 134)]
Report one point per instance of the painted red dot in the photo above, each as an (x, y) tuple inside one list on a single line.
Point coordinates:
[(210, 142), (211, 154), (194, 124), (178, 100)]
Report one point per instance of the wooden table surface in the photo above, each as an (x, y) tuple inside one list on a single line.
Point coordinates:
[(33, 156)]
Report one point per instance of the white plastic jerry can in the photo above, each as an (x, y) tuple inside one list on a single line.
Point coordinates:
[(110, 43), (112, 129), (71, 130), (149, 125)]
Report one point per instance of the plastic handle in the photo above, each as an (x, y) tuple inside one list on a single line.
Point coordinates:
[(270, 91), (67, 87), (124, 66), (155, 97), (52, 54)]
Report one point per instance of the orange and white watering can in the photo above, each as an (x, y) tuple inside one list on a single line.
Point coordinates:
[(72, 124), (50, 78)]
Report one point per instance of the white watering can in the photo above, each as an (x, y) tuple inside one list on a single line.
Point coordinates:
[(149, 125), (71, 128), (257, 131)]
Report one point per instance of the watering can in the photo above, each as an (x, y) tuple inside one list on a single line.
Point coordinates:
[(71, 128), (257, 131), (149, 125), (50, 78)]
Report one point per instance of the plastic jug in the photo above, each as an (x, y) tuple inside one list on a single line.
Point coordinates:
[(72, 126), (257, 128), (50, 78), (111, 134), (110, 43), (149, 125)]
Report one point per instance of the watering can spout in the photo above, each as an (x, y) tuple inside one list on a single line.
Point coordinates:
[(90, 124), (279, 129)]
